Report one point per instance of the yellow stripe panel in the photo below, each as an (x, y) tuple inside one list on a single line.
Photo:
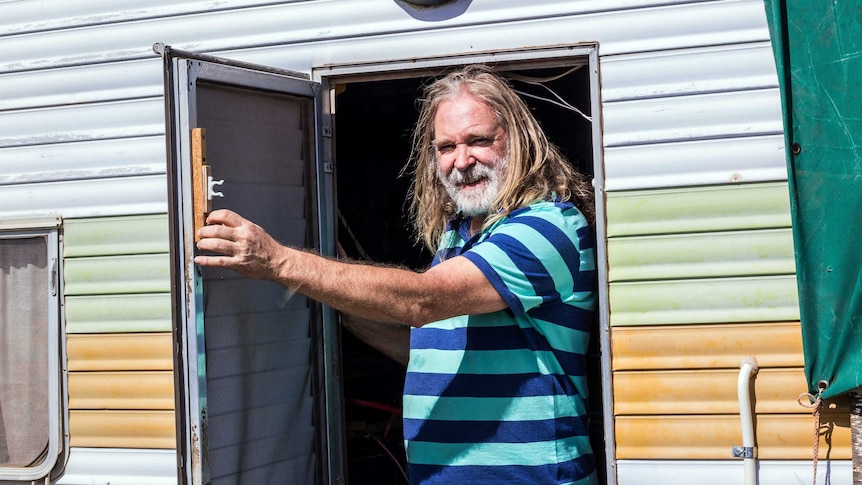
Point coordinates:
[(121, 390), (119, 352), (706, 346), (779, 437), (122, 429), (705, 392)]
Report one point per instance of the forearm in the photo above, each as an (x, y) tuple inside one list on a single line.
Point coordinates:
[(383, 294), (453, 287)]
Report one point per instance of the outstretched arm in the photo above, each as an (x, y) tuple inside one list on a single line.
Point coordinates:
[(393, 295)]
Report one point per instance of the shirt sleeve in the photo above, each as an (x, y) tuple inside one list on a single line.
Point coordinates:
[(535, 257)]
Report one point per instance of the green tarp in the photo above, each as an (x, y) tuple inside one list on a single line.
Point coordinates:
[(818, 50)]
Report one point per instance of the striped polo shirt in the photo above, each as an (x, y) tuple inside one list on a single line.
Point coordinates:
[(501, 397)]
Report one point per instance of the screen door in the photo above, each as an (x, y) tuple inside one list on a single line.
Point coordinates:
[(251, 403)]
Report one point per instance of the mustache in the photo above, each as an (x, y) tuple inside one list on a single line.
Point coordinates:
[(472, 174)]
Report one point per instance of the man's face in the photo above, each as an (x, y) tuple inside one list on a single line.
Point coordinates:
[(471, 153)]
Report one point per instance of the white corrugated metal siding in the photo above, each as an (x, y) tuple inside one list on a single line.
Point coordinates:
[(137, 467), (81, 122), (698, 116)]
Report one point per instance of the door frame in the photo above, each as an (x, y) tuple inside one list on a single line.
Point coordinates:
[(587, 54)]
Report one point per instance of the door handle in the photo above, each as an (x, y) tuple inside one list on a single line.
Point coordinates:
[(203, 185)]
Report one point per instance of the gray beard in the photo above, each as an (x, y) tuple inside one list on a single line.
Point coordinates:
[(474, 202)]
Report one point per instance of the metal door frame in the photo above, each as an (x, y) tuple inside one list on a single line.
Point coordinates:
[(586, 54), (181, 72)]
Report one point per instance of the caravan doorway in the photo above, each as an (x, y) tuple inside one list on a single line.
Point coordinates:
[(375, 109)]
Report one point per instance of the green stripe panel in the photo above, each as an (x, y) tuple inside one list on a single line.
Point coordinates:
[(118, 313), (116, 274), (701, 255), (699, 209), (111, 236), (723, 300), (148, 273)]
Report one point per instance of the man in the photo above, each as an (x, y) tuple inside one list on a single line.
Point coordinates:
[(496, 384)]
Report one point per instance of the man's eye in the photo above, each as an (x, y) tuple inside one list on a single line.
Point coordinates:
[(445, 148), (483, 142)]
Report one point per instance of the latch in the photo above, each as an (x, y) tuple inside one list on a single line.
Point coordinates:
[(203, 185), (211, 187)]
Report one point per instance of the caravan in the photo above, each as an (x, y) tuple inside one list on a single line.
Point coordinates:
[(120, 120)]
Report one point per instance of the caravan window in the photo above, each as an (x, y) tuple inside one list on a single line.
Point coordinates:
[(29, 353)]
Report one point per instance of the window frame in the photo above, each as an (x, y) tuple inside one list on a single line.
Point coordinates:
[(58, 420)]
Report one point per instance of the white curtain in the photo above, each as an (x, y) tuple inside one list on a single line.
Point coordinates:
[(24, 369)]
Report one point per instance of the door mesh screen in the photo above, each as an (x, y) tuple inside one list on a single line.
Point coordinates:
[(258, 343)]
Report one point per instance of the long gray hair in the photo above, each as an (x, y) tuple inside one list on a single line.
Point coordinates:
[(536, 169)]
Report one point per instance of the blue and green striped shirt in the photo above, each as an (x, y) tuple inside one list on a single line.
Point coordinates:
[(501, 397)]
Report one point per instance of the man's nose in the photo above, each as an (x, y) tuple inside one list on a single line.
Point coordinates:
[(463, 156)]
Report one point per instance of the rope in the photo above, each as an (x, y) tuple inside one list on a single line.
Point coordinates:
[(816, 405)]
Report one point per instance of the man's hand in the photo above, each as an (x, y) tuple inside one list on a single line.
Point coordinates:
[(245, 246)]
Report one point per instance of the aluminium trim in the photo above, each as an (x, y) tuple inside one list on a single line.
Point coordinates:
[(164, 49), (602, 256), (329, 330), (29, 223), (433, 65)]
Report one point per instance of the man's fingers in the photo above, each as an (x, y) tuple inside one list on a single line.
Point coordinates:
[(225, 217), (217, 231), (238, 243), (216, 244), (215, 261)]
